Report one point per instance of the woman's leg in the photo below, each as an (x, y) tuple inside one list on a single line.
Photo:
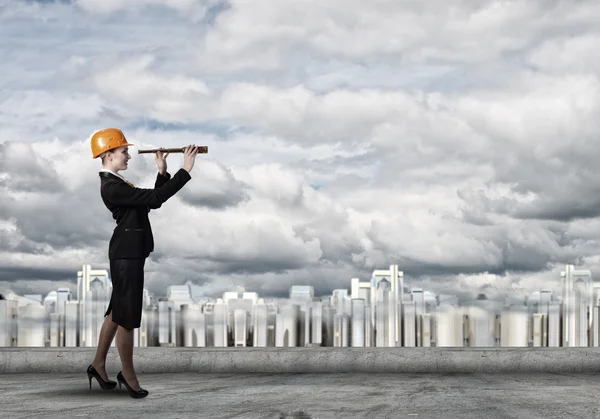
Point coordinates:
[(125, 346), (107, 334), (135, 290)]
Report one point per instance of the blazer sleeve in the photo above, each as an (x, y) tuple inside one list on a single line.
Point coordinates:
[(121, 194), (161, 179)]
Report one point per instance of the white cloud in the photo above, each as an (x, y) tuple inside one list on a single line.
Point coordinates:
[(188, 8), (567, 55), (134, 85), (455, 139), (411, 32)]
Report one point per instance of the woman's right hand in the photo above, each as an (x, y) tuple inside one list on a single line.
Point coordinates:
[(189, 157)]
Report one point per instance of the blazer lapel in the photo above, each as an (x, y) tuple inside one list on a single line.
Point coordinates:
[(109, 175)]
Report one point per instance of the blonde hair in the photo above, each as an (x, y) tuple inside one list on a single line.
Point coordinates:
[(103, 155)]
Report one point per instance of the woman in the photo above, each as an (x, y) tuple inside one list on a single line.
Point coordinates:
[(131, 243)]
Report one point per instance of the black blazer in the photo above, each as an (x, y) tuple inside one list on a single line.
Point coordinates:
[(132, 238)]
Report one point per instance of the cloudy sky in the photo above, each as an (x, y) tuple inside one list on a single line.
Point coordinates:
[(457, 139)]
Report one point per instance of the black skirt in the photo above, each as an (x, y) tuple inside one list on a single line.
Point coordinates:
[(126, 301)]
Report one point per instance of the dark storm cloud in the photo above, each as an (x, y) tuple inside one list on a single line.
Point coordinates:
[(63, 220), (18, 273), (566, 188), (109, 114), (555, 173), (26, 171), (519, 247), (557, 200), (580, 207), (9, 242), (216, 189), (475, 216), (225, 266), (217, 200), (48, 214)]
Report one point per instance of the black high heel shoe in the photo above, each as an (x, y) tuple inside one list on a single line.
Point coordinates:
[(106, 385), (135, 394)]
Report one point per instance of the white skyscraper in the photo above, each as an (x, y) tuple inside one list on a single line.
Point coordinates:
[(383, 326), (179, 295), (337, 330), (71, 322), (192, 317), (540, 333), (301, 294), (167, 323), (514, 326), (286, 328), (595, 332), (425, 321), (554, 330), (396, 281), (94, 289), (31, 330), (271, 318), (62, 296), (50, 307), (341, 301), (358, 323), (328, 314), (578, 300), (220, 328), (260, 325), (369, 341), (241, 319), (243, 300), (481, 326), (409, 319), (361, 290), (316, 323), (449, 326), (209, 323), (419, 298), (8, 321), (55, 335)]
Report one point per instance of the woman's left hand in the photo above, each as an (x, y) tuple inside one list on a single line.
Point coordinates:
[(161, 161)]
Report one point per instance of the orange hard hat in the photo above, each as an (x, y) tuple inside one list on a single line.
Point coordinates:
[(107, 139)]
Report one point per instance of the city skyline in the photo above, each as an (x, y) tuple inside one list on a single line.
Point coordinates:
[(381, 312), (455, 139)]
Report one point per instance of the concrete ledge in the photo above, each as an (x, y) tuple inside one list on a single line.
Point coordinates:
[(310, 360)]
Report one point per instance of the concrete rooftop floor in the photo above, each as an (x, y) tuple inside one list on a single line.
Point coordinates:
[(304, 396)]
